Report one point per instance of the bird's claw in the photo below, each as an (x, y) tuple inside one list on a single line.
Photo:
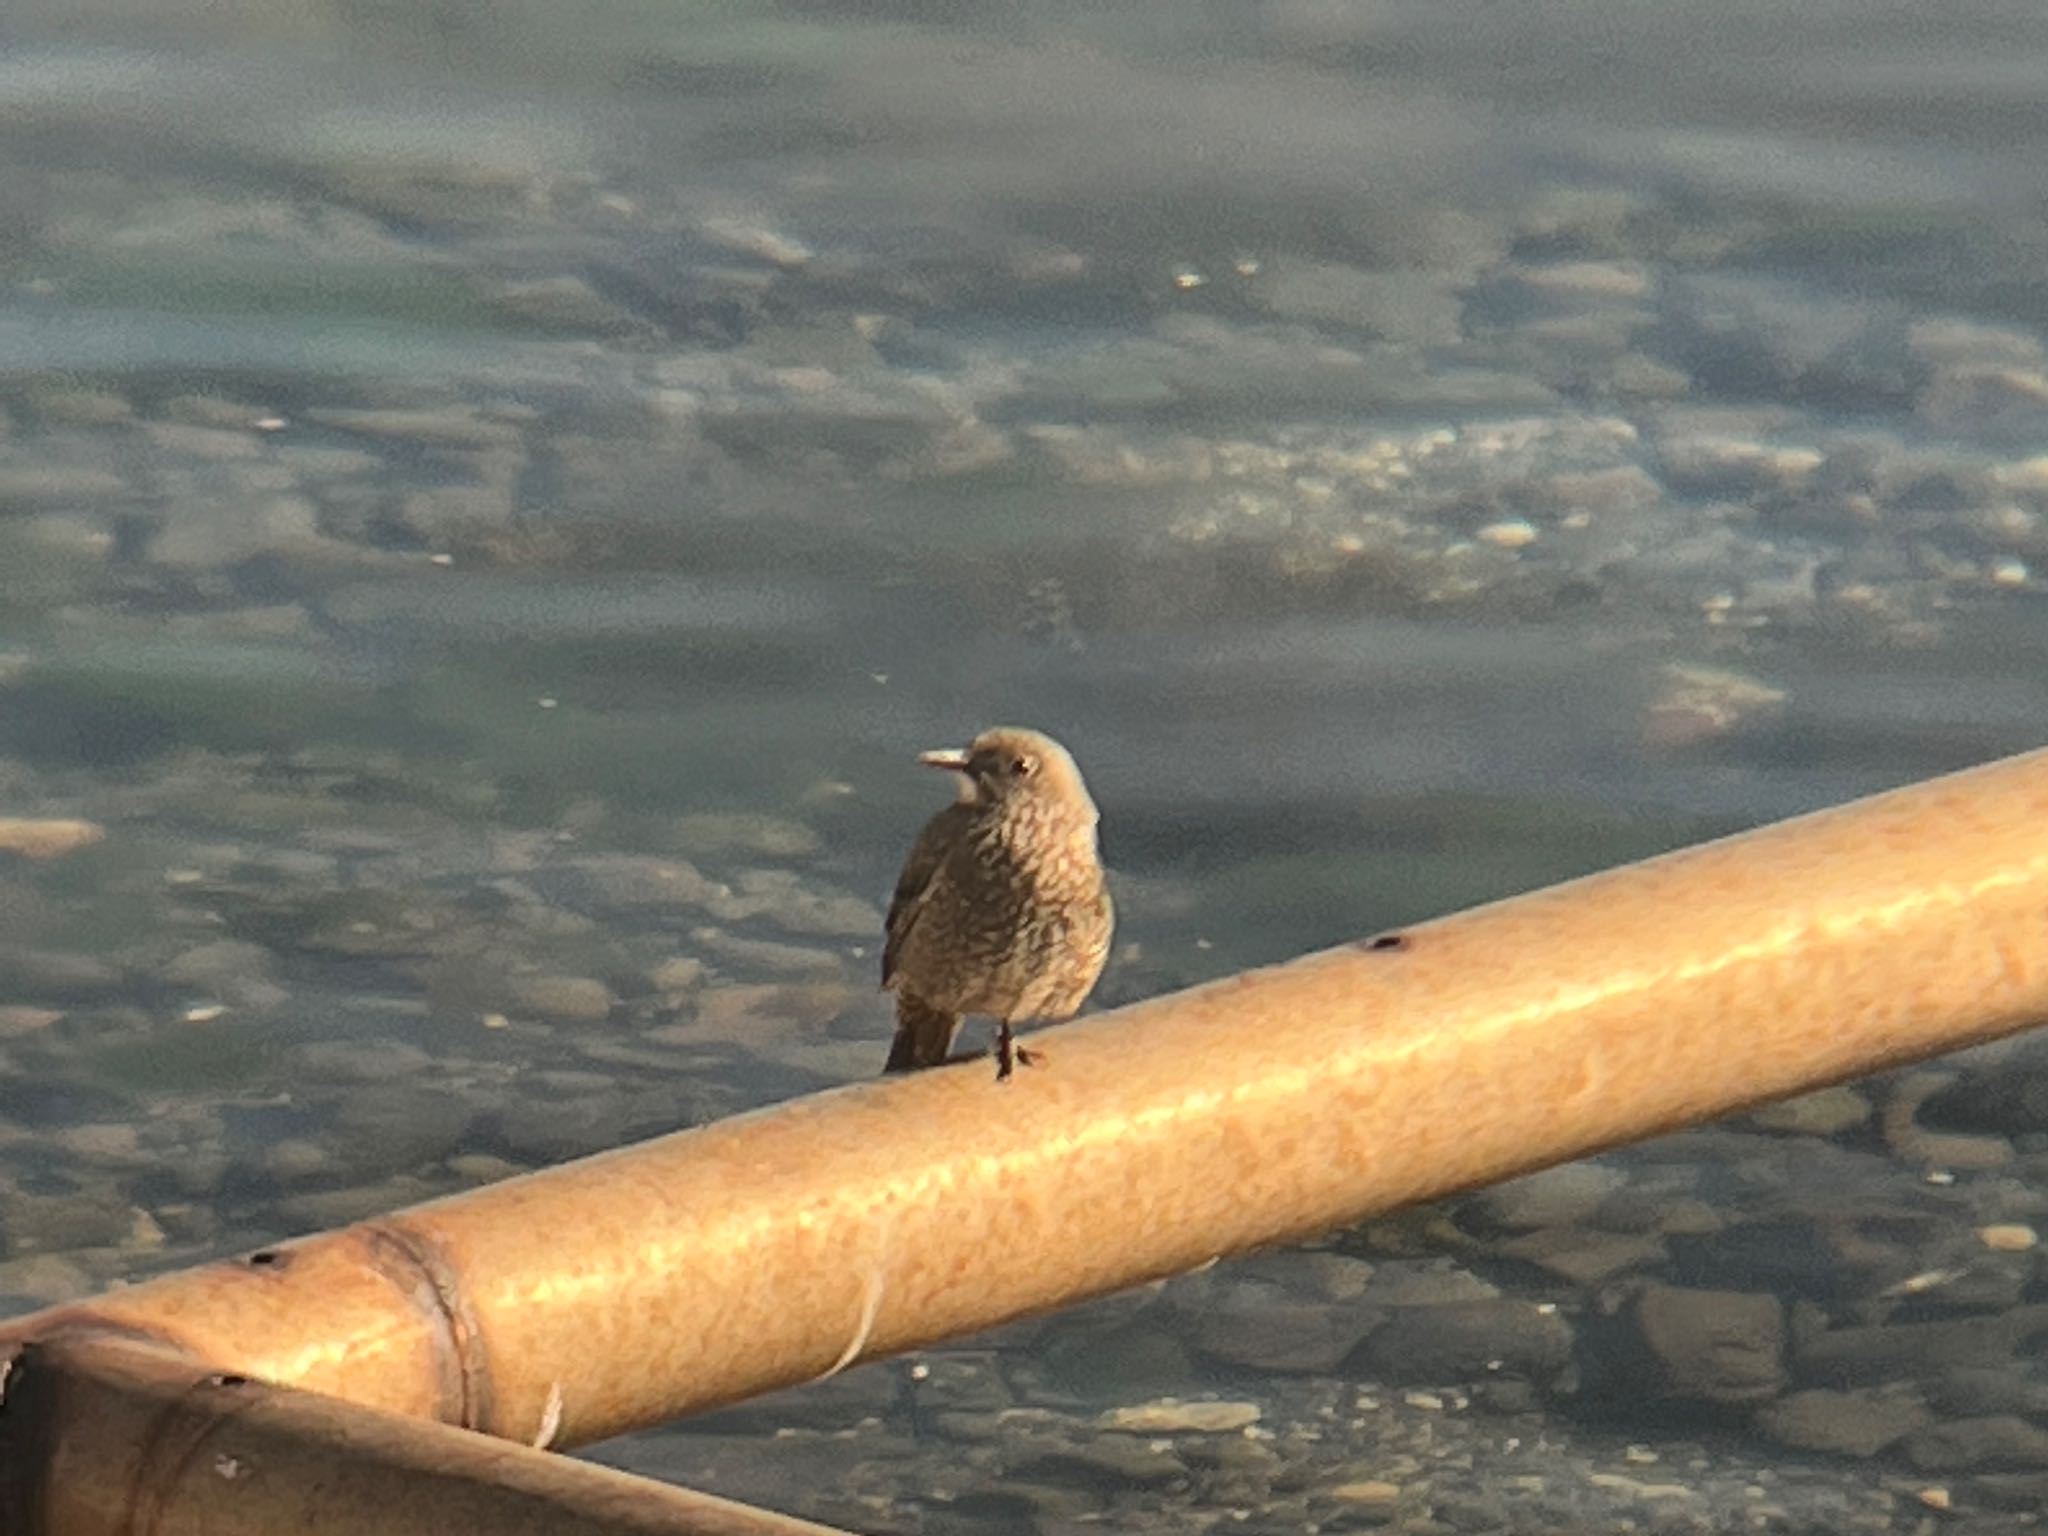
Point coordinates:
[(1010, 1055)]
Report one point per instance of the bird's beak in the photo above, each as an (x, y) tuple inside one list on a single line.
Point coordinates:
[(952, 758)]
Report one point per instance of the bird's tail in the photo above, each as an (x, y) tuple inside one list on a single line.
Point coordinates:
[(924, 1035)]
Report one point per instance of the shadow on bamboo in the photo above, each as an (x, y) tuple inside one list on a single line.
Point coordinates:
[(101, 1434), (778, 1246)]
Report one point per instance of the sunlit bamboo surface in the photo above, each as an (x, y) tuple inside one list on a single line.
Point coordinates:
[(767, 1249)]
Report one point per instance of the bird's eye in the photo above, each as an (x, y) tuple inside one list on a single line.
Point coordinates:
[(1023, 767)]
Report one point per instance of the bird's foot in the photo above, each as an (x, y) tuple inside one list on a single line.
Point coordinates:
[(1010, 1055)]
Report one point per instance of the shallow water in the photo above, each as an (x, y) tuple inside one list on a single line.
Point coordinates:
[(492, 498)]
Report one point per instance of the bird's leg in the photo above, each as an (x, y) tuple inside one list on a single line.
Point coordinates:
[(1009, 1054)]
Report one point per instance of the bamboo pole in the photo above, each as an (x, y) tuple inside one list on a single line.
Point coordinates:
[(102, 1435), (767, 1249)]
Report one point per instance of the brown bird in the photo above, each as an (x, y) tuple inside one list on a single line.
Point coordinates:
[(1000, 908)]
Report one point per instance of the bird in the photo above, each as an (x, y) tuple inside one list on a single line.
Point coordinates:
[(1001, 908)]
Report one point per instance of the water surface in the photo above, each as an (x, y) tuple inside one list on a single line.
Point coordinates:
[(492, 497)]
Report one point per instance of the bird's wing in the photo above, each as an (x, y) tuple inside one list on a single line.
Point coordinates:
[(912, 886)]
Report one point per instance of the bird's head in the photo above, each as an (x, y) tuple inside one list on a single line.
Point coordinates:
[(1009, 765)]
